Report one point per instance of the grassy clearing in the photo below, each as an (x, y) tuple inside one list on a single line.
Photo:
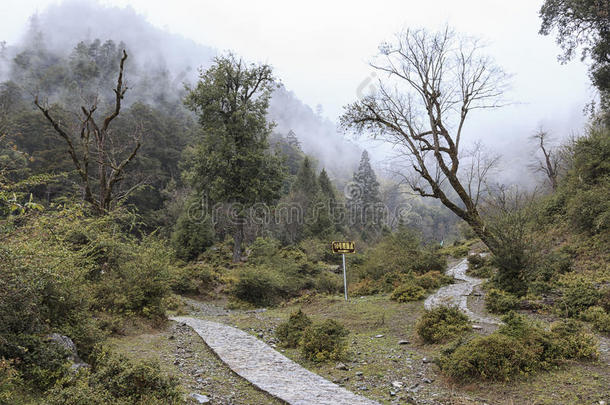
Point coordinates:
[(382, 361)]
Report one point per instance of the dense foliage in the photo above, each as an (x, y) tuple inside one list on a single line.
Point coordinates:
[(78, 276), (518, 348), (441, 324)]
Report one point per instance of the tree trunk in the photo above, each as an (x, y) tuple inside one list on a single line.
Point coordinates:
[(238, 237)]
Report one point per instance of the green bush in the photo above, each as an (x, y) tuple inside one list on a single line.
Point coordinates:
[(573, 341), (290, 332), (257, 285), (133, 380), (263, 249), (79, 276), (590, 211), (500, 302), (598, 317), (400, 252), (578, 295), (116, 379), (495, 357), (457, 250), (408, 291), (365, 286), (193, 278), (604, 299), (432, 280), (191, 236), (441, 324), (519, 347), (324, 341), (475, 261), (480, 266), (319, 250), (330, 283), (10, 382), (140, 281)]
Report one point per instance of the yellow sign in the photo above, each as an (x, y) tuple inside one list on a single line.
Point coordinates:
[(343, 247)]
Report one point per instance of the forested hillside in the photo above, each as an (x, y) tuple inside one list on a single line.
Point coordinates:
[(144, 176)]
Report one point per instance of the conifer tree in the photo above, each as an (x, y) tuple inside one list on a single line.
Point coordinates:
[(306, 182), (363, 199), (326, 186)]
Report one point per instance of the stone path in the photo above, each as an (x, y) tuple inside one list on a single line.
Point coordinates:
[(457, 294), (269, 370)]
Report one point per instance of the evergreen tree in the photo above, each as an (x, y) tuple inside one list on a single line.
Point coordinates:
[(326, 186), (293, 140), (232, 163), (329, 199), (306, 182), (364, 199), (304, 191)]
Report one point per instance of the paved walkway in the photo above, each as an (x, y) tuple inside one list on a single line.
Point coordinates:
[(268, 369), (457, 294)]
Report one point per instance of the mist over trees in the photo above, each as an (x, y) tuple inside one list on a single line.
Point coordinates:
[(134, 189)]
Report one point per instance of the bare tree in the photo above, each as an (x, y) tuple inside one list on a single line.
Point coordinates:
[(549, 163), (91, 144), (429, 84)]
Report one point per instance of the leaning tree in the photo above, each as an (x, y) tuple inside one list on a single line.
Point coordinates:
[(429, 84), (98, 154)]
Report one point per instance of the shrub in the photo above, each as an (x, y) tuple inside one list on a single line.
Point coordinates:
[(518, 347), (40, 363), (500, 302), (365, 286), (139, 282), (319, 250), (330, 283), (432, 280), (9, 382), (578, 295), (475, 261), (589, 212), (191, 236), (135, 381), (262, 249), (598, 317), (290, 332), (116, 379), (494, 357), (400, 252), (542, 347), (192, 278), (573, 341), (458, 250), (325, 341), (408, 291), (257, 285), (480, 266), (604, 300), (441, 323)]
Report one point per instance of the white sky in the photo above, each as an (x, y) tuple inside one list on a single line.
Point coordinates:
[(320, 49)]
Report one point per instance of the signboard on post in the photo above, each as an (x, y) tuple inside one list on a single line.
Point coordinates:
[(343, 248)]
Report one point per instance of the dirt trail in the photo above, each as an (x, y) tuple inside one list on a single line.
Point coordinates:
[(269, 370), (457, 294)]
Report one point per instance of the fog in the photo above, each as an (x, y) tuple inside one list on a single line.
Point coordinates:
[(320, 52)]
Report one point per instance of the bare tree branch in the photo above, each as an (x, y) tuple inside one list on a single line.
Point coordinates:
[(433, 82), (95, 144)]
